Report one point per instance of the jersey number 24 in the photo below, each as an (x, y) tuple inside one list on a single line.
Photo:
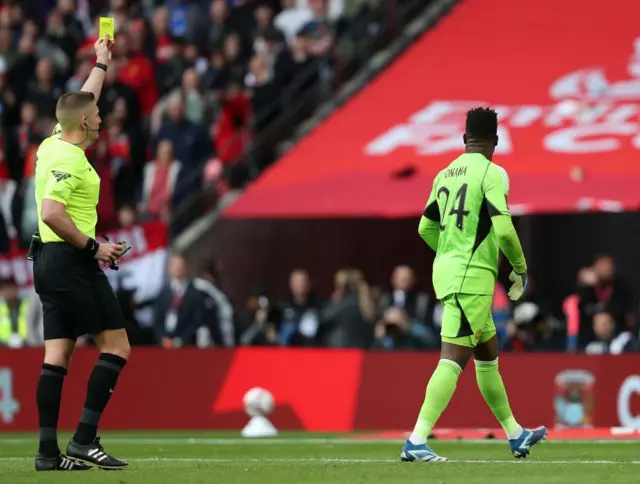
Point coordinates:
[(457, 210)]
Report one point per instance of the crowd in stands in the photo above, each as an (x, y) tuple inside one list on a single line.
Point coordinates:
[(191, 97), (192, 309)]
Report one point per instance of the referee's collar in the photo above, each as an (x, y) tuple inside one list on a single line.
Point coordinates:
[(70, 144)]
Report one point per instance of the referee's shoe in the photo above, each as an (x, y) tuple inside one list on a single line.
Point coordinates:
[(59, 463), (94, 454)]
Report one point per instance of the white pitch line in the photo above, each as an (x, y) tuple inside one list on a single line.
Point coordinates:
[(354, 461), (305, 441)]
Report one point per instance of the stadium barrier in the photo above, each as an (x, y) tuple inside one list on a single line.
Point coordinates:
[(324, 389)]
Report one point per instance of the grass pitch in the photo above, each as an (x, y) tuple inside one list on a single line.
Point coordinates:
[(205, 457)]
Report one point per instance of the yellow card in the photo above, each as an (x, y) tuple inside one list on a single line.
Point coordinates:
[(107, 27)]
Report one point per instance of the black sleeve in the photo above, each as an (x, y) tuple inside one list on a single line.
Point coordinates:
[(432, 212)]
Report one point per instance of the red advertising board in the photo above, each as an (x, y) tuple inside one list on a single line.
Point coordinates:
[(567, 92), (322, 390)]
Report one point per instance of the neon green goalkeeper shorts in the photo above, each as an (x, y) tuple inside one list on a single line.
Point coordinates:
[(467, 320)]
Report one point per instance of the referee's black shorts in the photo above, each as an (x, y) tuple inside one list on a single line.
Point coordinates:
[(76, 295)]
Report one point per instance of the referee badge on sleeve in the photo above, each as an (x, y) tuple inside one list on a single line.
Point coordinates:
[(60, 175)]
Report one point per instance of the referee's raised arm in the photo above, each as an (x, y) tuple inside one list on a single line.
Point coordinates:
[(95, 80)]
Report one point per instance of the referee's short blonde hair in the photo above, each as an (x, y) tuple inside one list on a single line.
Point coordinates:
[(71, 107)]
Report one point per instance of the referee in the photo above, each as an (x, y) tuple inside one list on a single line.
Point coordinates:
[(75, 293)]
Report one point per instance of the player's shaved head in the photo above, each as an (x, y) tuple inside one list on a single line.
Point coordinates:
[(481, 131), (72, 106)]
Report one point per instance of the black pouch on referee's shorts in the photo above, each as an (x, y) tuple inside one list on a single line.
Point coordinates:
[(34, 246)]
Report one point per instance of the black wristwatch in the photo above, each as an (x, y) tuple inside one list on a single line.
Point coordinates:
[(92, 247), (100, 66)]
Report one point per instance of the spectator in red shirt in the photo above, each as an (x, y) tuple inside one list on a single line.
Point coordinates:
[(138, 73), (102, 164), (164, 48), (231, 127), (160, 177)]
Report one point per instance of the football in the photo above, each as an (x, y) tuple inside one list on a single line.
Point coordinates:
[(258, 402)]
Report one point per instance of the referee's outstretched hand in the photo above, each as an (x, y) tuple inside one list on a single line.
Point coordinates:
[(103, 49), (109, 252)]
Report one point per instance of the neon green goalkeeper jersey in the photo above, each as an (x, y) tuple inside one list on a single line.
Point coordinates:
[(467, 221)]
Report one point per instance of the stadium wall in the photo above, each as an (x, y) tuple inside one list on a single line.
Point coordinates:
[(324, 390)]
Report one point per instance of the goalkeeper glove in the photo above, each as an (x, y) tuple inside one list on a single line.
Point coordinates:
[(519, 285)]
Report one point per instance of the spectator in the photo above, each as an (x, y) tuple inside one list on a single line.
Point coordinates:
[(14, 327), (114, 92), (170, 72), (199, 107), (164, 48), (49, 46), (264, 98), (234, 59), (292, 18), (211, 31), (218, 318), (404, 295), (138, 73), (318, 29), (43, 92), (30, 132), (396, 331), (8, 98), (216, 76), (600, 289), (261, 322), (21, 64), (179, 310), (229, 130), (58, 34), (300, 313), (188, 139), (120, 153), (127, 216), (160, 177), (607, 339), (347, 318), (265, 35), (102, 163)]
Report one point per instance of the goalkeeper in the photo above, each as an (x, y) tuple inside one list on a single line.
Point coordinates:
[(467, 221)]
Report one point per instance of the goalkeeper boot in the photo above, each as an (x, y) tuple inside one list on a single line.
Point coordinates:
[(419, 453), (521, 446)]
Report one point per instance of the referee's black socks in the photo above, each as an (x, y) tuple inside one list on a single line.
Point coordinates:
[(101, 384), (48, 395)]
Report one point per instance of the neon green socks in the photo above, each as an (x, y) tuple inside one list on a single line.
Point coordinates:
[(494, 393), (439, 392)]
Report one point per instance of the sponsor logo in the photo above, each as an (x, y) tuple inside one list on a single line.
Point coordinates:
[(587, 113), (60, 175)]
